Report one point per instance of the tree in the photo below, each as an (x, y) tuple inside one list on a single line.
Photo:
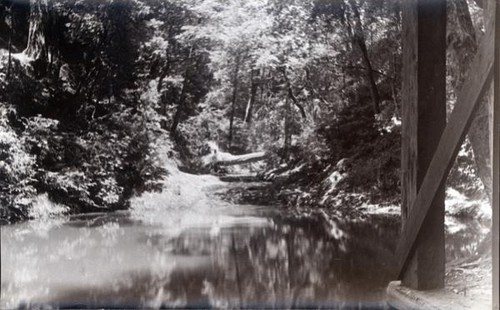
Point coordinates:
[(462, 46), (74, 103), (231, 33)]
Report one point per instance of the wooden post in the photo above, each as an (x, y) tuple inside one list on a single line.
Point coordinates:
[(479, 78), (424, 118), (496, 161)]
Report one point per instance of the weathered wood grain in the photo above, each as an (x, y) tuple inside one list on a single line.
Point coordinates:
[(424, 118), (409, 108), (476, 83), (496, 163)]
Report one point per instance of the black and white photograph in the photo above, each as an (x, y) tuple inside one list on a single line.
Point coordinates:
[(249, 154)]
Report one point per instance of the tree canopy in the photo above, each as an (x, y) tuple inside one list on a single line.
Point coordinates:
[(93, 94)]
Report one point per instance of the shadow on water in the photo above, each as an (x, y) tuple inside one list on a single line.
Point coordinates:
[(277, 262), (289, 263), (466, 237), (121, 218)]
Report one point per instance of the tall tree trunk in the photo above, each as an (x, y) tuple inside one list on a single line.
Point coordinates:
[(369, 76), (180, 109), (393, 84), (464, 44), (37, 45), (288, 136), (11, 34), (292, 95), (165, 71), (233, 100), (251, 101), (359, 39)]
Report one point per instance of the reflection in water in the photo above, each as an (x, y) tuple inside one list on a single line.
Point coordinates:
[(465, 237), (243, 257)]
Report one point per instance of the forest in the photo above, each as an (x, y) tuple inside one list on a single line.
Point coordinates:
[(222, 153), (95, 95)]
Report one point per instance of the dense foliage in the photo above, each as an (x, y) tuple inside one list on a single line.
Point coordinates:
[(75, 124), (89, 88)]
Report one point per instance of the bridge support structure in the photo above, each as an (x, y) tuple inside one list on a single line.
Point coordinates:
[(423, 120), (495, 147), (430, 145)]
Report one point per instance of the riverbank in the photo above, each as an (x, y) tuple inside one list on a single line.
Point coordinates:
[(185, 247), (205, 208), (468, 268)]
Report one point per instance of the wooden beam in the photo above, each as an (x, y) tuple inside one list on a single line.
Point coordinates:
[(409, 125), (402, 297), (424, 118), (496, 163), (476, 83)]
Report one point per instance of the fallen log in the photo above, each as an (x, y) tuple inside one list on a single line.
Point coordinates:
[(227, 159), (242, 159), (241, 178)]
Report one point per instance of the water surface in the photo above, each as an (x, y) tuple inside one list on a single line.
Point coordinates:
[(220, 256), (231, 256)]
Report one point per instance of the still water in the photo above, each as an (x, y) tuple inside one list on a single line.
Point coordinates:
[(235, 256)]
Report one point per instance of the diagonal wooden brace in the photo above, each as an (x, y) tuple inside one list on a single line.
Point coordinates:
[(477, 82)]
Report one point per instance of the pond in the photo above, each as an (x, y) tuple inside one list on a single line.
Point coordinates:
[(231, 256)]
